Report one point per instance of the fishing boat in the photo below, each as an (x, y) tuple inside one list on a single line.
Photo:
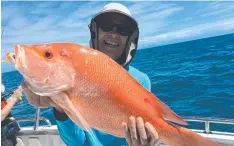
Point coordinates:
[(47, 135)]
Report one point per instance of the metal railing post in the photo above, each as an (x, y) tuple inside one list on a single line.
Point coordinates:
[(207, 127), (37, 119)]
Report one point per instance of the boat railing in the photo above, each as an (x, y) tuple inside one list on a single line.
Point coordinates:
[(35, 119), (204, 120), (207, 121), (32, 119)]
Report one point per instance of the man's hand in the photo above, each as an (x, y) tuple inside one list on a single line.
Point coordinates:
[(139, 134), (37, 100)]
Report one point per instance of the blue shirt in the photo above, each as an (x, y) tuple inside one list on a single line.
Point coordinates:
[(73, 135)]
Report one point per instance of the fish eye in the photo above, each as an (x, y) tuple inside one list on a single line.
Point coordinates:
[(48, 54)]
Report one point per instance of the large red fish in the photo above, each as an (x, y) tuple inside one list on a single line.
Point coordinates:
[(101, 94)]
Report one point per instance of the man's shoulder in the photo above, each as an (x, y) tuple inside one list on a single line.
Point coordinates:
[(135, 72), (141, 77)]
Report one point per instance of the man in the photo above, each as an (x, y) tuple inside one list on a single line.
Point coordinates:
[(115, 33)]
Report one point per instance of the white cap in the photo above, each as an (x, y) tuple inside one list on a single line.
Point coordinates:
[(116, 7), (131, 44)]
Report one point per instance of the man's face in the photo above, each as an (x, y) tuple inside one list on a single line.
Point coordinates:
[(111, 43)]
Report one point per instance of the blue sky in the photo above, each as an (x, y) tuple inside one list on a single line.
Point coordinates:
[(160, 23)]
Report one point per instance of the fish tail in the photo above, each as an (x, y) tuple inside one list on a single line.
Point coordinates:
[(178, 136)]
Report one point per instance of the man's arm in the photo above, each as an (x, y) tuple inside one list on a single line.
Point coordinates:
[(6, 110), (11, 102)]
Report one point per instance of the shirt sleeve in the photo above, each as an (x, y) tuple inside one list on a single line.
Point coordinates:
[(146, 82)]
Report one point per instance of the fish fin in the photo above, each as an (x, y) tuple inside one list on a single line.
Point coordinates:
[(80, 120), (150, 98), (171, 134), (172, 116), (168, 114), (74, 114)]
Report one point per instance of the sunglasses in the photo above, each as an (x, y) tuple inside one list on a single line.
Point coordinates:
[(121, 29), (107, 22)]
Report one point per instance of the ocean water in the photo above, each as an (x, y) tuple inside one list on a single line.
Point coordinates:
[(194, 78)]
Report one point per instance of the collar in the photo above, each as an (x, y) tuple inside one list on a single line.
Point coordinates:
[(126, 68)]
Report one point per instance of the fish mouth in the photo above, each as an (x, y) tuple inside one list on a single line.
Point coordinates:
[(11, 57), (17, 58)]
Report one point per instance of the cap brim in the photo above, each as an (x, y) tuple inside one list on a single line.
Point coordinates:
[(117, 17)]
